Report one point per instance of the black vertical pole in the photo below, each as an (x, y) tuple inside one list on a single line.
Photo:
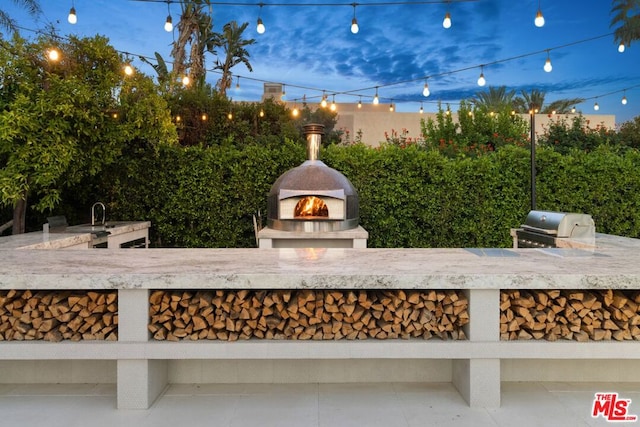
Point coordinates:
[(533, 159)]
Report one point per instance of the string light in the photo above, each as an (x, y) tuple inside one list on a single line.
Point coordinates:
[(204, 117), (354, 21), (547, 65), (186, 80), (376, 100), (168, 25), (284, 92), (323, 103), (391, 108), (446, 22), (230, 115), (624, 98), (539, 21), (425, 90), (333, 104), (360, 103), (260, 28), (238, 83), (421, 108), (295, 111), (621, 47), (596, 106), (53, 54), (481, 80), (128, 70), (261, 114), (72, 18)]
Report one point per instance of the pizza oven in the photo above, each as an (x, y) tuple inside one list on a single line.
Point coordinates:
[(312, 197)]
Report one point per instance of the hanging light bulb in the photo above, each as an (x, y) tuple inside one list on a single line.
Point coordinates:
[(295, 111), (186, 80), (323, 103), (621, 47), (261, 113), (168, 25), (284, 92), (376, 100), (333, 104), (360, 103), (573, 110), (72, 18), (354, 22), (53, 54), (238, 83), (425, 90), (596, 106), (446, 22), (481, 80), (204, 117), (547, 64), (391, 108), (539, 21), (230, 115), (421, 108), (128, 70), (260, 28), (624, 100)]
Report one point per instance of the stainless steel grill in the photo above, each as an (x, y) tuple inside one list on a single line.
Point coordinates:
[(546, 229)]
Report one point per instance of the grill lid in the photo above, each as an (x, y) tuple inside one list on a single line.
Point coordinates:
[(559, 224)]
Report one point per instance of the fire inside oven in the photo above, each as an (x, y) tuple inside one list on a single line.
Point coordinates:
[(311, 207)]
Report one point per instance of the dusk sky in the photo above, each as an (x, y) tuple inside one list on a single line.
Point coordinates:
[(308, 46)]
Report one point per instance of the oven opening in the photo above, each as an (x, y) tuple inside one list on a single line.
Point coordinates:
[(311, 207)]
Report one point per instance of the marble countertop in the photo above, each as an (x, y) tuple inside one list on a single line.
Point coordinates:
[(611, 265), (72, 236)]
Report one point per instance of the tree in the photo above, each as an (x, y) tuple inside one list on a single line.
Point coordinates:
[(32, 6), (235, 52), (626, 14), (495, 99), (534, 101), (63, 120), (195, 32)]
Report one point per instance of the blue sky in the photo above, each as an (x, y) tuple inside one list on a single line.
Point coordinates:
[(311, 49)]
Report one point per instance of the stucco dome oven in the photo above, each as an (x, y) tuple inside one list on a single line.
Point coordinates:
[(312, 197)]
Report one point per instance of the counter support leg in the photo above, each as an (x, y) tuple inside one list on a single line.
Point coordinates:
[(140, 381), (478, 380)]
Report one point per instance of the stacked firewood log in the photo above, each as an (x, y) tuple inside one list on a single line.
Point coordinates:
[(586, 315), (231, 315), (58, 315)]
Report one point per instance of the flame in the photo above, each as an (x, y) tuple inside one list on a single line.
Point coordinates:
[(311, 206)]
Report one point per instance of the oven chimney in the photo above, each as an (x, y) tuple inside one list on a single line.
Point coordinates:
[(313, 132)]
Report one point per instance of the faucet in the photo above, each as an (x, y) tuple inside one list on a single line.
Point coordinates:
[(93, 213)]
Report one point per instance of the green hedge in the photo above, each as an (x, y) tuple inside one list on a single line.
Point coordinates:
[(409, 197)]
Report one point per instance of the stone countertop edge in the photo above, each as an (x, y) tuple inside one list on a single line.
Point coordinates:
[(611, 267)]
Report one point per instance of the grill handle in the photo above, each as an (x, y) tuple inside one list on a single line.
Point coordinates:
[(539, 230)]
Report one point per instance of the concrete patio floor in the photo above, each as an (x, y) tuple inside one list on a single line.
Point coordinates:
[(305, 405)]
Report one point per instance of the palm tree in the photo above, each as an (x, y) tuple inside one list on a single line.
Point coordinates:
[(233, 45), (626, 13), (495, 99), (195, 32), (32, 6), (534, 101), (530, 101)]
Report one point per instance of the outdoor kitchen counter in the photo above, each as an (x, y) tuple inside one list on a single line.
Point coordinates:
[(602, 268), (73, 237), (142, 367)]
